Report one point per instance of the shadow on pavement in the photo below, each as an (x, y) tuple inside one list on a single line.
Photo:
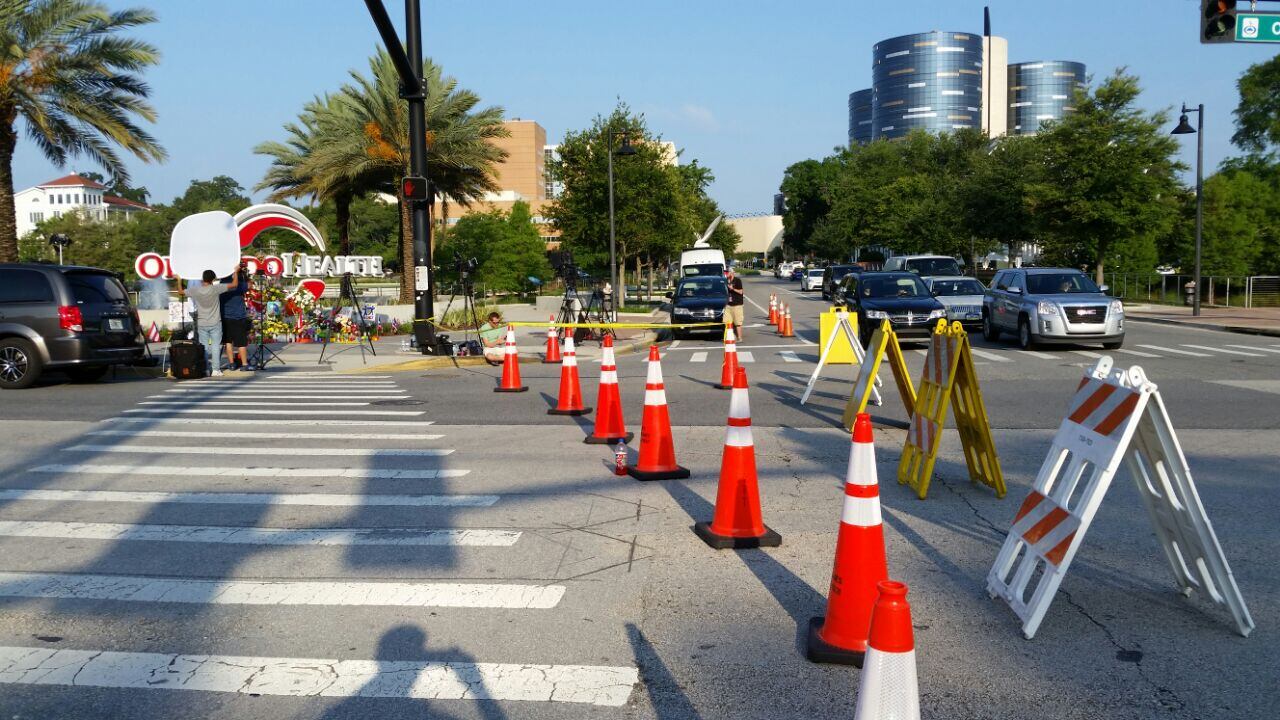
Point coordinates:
[(665, 693)]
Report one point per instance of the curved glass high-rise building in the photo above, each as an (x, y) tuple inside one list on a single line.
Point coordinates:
[(1041, 91), (929, 81), (860, 117)]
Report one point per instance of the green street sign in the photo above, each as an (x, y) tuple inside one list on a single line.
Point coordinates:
[(1258, 27)]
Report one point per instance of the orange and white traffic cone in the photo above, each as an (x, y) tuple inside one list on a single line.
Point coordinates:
[(888, 687), (511, 366), (738, 522), (553, 344), (773, 310), (787, 330), (730, 359), (657, 453), (570, 401), (610, 427), (841, 637)]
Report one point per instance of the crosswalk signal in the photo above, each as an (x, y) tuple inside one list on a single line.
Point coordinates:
[(1217, 21), (414, 188)]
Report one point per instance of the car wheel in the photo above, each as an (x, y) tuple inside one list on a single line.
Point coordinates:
[(20, 365), (1113, 345), (989, 331), (1026, 340), (87, 374)]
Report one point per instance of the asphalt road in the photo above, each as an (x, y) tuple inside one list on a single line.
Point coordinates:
[(431, 549)]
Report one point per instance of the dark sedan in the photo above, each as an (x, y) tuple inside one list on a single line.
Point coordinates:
[(699, 300), (899, 297)]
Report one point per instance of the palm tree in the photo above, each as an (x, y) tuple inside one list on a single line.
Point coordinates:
[(368, 139), (69, 75)]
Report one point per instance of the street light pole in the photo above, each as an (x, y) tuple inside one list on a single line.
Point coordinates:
[(613, 242), (1184, 128)]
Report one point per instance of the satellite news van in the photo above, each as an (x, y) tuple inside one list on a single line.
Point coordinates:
[(703, 259)]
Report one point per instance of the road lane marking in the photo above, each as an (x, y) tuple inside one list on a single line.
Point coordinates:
[(1175, 350), (258, 592), (169, 411), (297, 452), (218, 498), (698, 357), (274, 421), (263, 435), (1085, 353), (254, 472), (749, 347), (789, 356), (322, 375), (746, 357), (1224, 350), (1041, 355), (921, 353), (203, 397), (674, 345), (1139, 353), (405, 537), (988, 355), (1251, 347), (759, 307), (220, 403), (306, 677)]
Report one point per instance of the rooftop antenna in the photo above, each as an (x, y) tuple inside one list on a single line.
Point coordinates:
[(703, 240)]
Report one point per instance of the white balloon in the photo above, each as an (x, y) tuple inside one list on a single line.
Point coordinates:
[(204, 241)]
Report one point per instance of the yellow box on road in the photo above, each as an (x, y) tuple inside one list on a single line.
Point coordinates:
[(841, 349)]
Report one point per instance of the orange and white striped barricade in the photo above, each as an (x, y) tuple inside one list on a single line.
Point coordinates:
[(846, 326), (949, 378), (1114, 416), (883, 344)]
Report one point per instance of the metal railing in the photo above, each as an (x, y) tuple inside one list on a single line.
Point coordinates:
[(1217, 290)]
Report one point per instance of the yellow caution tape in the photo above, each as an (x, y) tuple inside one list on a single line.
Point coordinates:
[(682, 326)]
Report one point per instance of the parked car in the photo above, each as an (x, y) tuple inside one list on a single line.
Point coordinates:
[(899, 297), (57, 317), (797, 271), (831, 277), (698, 300), (962, 297), (1051, 305), (812, 279), (924, 265), (783, 269)]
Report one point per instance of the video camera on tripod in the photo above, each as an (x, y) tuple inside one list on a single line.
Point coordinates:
[(566, 269), (464, 267)]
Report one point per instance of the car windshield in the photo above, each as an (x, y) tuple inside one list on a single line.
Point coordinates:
[(703, 288), (943, 288), (933, 266), (815, 273), (839, 272), (1051, 284), (894, 286), (708, 269)]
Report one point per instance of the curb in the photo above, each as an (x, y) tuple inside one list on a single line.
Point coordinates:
[(1241, 329)]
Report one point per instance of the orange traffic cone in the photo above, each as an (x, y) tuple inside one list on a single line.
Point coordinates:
[(773, 309), (553, 344), (657, 454), (610, 427), (841, 637), (888, 687), (570, 402), (511, 366), (738, 523), (730, 365), (787, 331)]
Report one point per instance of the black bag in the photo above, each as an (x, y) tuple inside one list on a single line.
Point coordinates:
[(187, 360)]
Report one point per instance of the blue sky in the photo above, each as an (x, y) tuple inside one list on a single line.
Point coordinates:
[(745, 87)]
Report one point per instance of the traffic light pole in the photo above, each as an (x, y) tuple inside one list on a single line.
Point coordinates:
[(408, 62), (1195, 304)]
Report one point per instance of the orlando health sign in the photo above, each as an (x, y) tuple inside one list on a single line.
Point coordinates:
[(215, 241)]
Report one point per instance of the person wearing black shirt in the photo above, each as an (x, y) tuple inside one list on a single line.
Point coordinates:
[(734, 312)]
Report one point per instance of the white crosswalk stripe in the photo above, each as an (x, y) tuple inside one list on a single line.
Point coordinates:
[(1041, 355), (328, 422), (1176, 351), (255, 535), (1138, 353), (222, 498), (746, 357), (316, 452), (698, 357), (789, 356), (994, 357), (1224, 350), (264, 435), (237, 403), (162, 411), (1253, 347), (251, 472), (1086, 353)]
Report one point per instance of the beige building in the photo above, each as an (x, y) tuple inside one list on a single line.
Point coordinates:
[(760, 233)]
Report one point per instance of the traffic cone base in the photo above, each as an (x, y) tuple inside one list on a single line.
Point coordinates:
[(676, 473), (728, 542), (821, 651), (574, 413), (522, 388), (624, 439)]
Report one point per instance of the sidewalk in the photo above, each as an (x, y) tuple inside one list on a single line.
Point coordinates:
[(1254, 321)]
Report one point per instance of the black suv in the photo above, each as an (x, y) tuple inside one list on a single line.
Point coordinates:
[(57, 317), (899, 297), (831, 277)]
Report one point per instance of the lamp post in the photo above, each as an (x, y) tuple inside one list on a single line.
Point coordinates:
[(624, 150), (1184, 128)]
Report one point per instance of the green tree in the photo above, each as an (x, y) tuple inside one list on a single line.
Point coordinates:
[(1104, 169), (1258, 114), (118, 188), (71, 77), (806, 188), (506, 246), (217, 193), (1241, 215)]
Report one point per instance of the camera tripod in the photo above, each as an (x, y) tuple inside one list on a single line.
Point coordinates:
[(262, 355), (573, 311), (346, 294), (468, 306)]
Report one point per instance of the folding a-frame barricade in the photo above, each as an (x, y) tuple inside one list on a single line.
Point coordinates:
[(846, 326), (883, 344)]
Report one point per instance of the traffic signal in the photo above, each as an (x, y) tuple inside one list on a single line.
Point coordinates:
[(1217, 21), (414, 188)]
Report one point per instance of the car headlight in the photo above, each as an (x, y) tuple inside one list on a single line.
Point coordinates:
[(681, 311), (1117, 307), (876, 315), (1044, 307), (935, 314)]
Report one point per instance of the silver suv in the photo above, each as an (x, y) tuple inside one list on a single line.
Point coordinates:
[(1051, 305)]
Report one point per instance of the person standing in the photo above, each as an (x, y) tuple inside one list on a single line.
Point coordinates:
[(735, 308), (235, 324), (205, 297)]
